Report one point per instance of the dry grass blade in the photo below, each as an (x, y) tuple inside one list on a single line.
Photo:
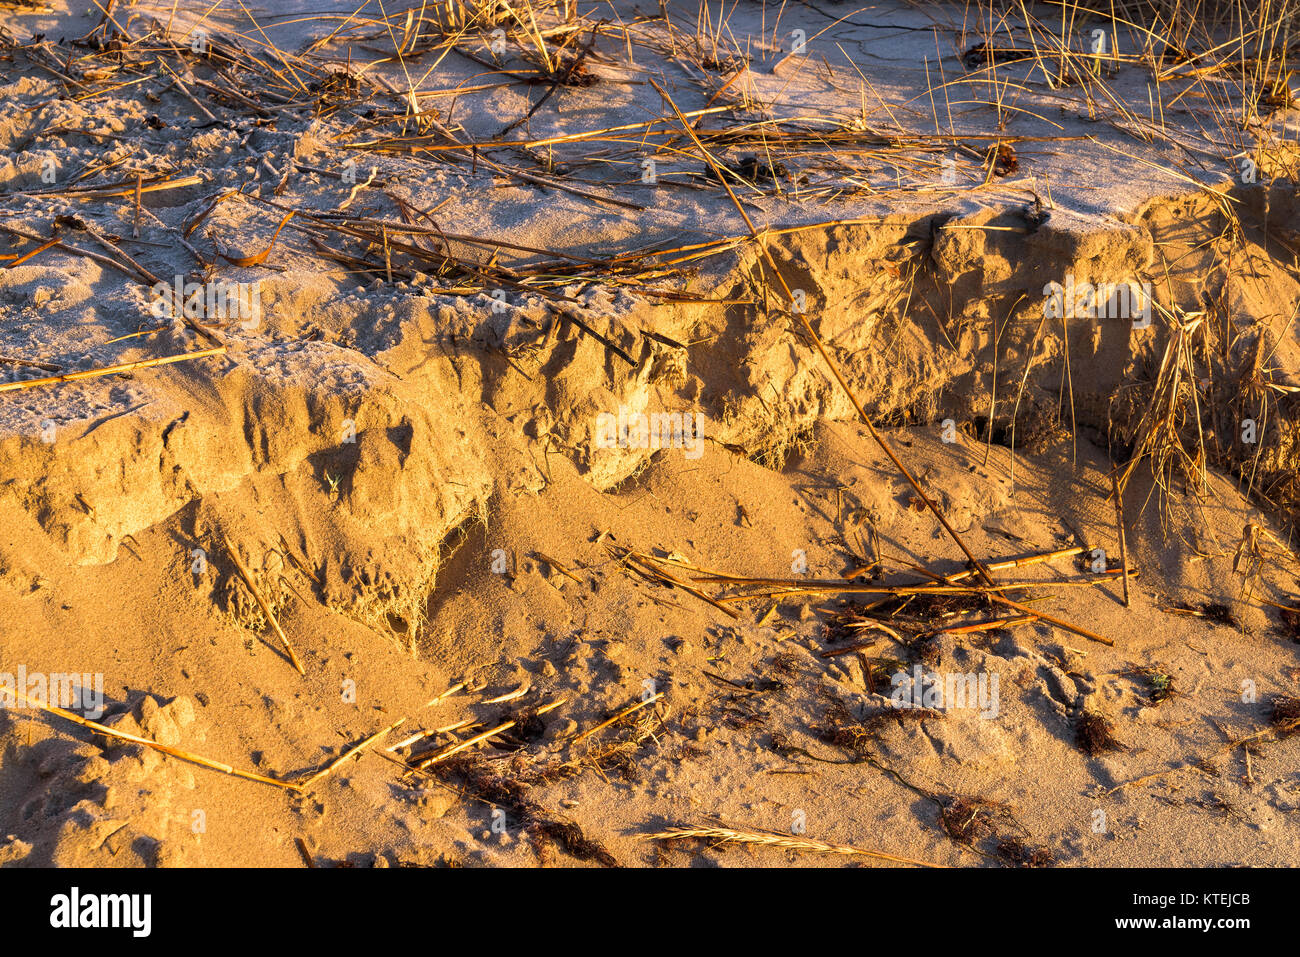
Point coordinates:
[(258, 258)]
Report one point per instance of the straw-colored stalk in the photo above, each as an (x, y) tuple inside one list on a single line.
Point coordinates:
[(730, 835), (135, 739)]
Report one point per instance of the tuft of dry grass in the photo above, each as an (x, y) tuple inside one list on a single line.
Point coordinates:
[(509, 792), (1095, 734), (1019, 854), (1284, 715), (1174, 410)]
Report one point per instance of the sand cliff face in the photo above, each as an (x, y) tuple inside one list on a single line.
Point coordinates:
[(395, 425), (427, 444)]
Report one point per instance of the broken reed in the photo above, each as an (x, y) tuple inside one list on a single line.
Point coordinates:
[(779, 588), (725, 834), (164, 749)]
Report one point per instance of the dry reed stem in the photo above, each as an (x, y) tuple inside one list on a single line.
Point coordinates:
[(1123, 537), (110, 370), (377, 736), (1023, 609), (730, 835), (989, 625), (125, 190), (622, 714), (647, 566), (174, 752), (1051, 619), (262, 603), (31, 254), (30, 364), (147, 279), (1021, 562), (470, 742)]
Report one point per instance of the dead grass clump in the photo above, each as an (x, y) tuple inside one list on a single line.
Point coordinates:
[(785, 663), (1291, 624), (529, 727), (1214, 611), (927, 650), (1284, 715), (772, 437), (844, 730), (1003, 160), (621, 755), (1173, 412), (1019, 854), (967, 820), (1219, 612), (543, 829), (1095, 735), (970, 820)]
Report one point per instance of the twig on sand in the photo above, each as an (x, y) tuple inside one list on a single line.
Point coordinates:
[(1050, 619), (1123, 536), (135, 739), (1026, 610), (470, 742), (352, 752), (725, 834), (1020, 562), (622, 714), (30, 364), (31, 254), (989, 625), (110, 370), (262, 603), (100, 258), (651, 568)]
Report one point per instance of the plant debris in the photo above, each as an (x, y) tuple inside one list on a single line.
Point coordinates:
[(1095, 735)]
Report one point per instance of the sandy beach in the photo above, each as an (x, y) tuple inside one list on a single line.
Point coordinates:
[(628, 435)]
